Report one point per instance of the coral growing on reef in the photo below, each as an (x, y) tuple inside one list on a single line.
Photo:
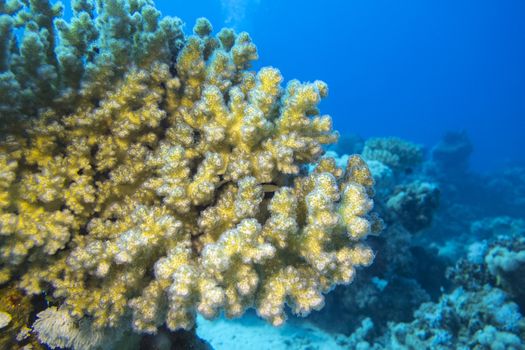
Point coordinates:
[(414, 204), (506, 263), (413, 297), (482, 312), (61, 65), (157, 177), (404, 274), (399, 155), (485, 319)]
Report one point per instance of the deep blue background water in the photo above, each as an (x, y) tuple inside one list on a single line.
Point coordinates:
[(411, 68), (414, 69)]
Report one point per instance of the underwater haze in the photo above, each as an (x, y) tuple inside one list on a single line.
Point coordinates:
[(413, 69)]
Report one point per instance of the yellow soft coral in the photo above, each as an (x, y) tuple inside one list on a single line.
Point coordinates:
[(181, 190)]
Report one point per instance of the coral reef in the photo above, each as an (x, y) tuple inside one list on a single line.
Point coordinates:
[(499, 262), (483, 311), (414, 204), (57, 329), (506, 263), (148, 177), (403, 194), (473, 206), (384, 179), (402, 277), (472, 232), (404, 274), (485, 319), (414, 297), (457, 284), (480, 315), (61, 65), (400, 155)]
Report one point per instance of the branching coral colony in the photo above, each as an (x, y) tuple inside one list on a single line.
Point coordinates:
[(146, 176)]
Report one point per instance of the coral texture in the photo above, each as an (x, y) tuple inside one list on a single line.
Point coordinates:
[(15, 312), (506, 263), (404, 274), (157, 177), (460, 320), (414, 204), (400, 155), (457, 284), (476, 314)]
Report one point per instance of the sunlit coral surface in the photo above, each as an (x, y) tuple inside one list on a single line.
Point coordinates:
[(148, 176)]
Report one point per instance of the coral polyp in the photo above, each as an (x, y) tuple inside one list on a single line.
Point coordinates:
[(148, 176)]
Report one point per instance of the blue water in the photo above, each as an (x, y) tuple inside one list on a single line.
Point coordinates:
[(413, 69)]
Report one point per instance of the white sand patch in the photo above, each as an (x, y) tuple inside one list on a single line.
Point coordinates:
[(253, 333)]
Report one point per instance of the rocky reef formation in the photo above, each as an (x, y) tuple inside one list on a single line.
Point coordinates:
[(451, 155), (482, 312), (414, 204), (484, 319)]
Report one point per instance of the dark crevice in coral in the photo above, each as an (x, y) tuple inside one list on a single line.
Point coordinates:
[(178, 340)]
